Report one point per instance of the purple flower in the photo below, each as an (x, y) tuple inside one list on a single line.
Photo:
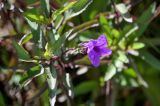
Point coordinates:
[(96, 49)]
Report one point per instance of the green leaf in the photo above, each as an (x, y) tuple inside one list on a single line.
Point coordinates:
[(115, 33), (122, 57), (25, 38), (34, 17), (122, 8), (105, 26), (31, 73), (21, 52), (151, 76), (127, 17), (37, 33), (52, 83), (143, 21), (128, 30), (137, 45), (85, 87), (59, 43), (154, 41), (33, 25), (52, 37), (95, 8), (118, 64), (110, 72), (87, 35), (77, 8), (58, 21), (45, 5), (152, 92), (145, 18), (130, 72), (150, 59), (62, 10), (41, 82), (68, 84)]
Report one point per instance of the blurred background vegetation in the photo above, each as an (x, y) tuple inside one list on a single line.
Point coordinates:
[(29, 31)]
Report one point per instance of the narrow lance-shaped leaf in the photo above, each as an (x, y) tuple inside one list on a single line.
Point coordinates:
[(36, 32), (53, 37), (122, 57), (45, 7), (143, 21), (58, 22), (136, 45), (77, 8), (52, 83), (150, 59), (68, 84), (105, 25), (25, 38), (34, 17), (21, 52), (60, 42), (62, 10), (145, 18), (31, 73), (130, 32), (152, 91), (110, 72), (85, 87)]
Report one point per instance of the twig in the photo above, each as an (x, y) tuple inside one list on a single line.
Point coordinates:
[(111, 92), (108, 93), (114, 92), (116, 12)]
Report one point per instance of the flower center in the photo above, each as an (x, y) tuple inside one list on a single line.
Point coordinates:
[(96, 49)]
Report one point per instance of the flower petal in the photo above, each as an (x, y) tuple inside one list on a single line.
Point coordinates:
[(102, 41), (90, 45), (105, 51), (94, 58)]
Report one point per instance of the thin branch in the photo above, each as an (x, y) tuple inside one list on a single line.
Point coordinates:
[(108, 93), (116, 12)]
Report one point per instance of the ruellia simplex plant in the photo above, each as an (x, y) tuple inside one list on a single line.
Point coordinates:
[(55, 46)]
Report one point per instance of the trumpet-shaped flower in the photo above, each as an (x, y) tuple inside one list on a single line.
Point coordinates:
[(96, 49)]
